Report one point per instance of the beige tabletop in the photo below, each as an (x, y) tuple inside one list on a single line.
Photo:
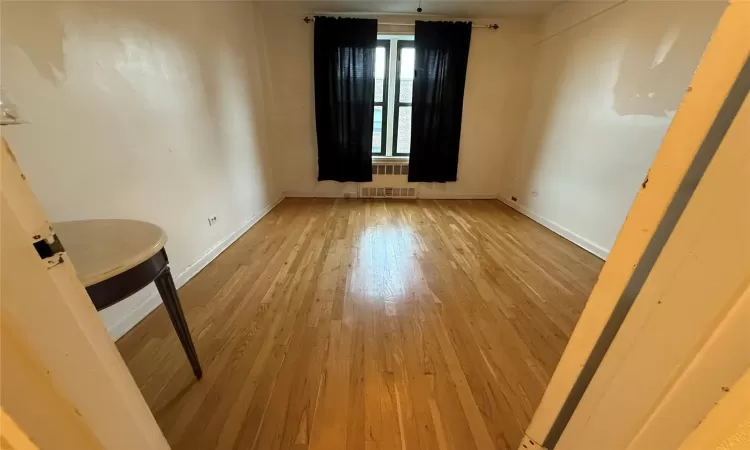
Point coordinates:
[(103, 248)]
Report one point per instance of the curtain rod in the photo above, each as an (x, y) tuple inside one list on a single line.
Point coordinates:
[(493, 26)]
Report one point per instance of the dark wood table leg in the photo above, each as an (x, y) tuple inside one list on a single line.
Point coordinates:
[(168, 292)]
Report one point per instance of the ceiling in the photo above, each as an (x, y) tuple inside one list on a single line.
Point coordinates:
[(449, 8), (454, 9)]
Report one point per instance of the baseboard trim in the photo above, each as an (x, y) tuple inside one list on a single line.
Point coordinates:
[(152, 301), (578, 240), (448, 196), (136, 314), (429, 196), (299, 194)]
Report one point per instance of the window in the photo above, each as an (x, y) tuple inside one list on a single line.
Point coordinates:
[(402, 133), (381, 88), (394, 78)]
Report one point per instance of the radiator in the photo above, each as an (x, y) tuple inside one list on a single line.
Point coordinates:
[(389, 180)]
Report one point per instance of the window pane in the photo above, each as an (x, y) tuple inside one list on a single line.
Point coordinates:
[(403, 142), (404, 93), (407, 63), (379, 83), (379, 62), (379, 73), (377, 129), (406, 75)]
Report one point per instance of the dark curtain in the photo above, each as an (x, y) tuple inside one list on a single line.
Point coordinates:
[(441, 55), (344, 97)]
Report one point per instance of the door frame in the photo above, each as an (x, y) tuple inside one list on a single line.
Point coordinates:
[(632, 256)]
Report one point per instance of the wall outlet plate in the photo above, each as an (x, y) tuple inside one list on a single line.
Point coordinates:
[(212, 220)]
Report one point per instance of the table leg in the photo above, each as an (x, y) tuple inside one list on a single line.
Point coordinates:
[(168, 292)]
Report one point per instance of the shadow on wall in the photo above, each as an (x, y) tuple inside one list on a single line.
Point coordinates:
[(654, 71), (154, 109), (545, 88), (47, 56), (151, 66), (603, 97)]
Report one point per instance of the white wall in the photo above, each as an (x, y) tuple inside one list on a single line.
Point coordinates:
[(142, 110), (174, 111), (604, 93), (498, 86)]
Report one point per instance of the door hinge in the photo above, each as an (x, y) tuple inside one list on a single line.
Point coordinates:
[(50, 253), (529, 444)]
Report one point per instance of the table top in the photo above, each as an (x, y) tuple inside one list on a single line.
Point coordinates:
[(103, 248)]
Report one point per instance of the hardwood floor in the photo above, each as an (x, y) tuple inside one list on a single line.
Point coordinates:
[(356, 324)]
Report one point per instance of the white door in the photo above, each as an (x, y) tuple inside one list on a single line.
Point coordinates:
[(64, 384), (666, 332)]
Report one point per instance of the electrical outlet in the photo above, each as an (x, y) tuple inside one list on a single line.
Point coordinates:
[(212, 220), (534, 193)]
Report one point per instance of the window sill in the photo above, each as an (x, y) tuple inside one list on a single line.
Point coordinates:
[(387, 159)]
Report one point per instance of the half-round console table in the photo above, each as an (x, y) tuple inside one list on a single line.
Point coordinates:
[(115, 258)]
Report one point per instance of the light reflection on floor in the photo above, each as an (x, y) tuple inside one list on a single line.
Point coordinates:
[(387, 264)]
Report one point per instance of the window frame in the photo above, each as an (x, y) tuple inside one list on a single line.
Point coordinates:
[(386, 43), (397, 104)]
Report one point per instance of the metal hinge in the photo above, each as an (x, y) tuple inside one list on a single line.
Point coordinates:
[(49, 252), (529, 444)]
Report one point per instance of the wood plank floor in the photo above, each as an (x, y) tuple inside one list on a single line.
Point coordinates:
[(356, 324)]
